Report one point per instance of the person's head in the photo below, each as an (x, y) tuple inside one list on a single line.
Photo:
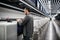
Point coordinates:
[(26, 11)]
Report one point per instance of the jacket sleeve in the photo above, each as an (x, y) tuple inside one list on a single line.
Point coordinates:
[(25, 20)]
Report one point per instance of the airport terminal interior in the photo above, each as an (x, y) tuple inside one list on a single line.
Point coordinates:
[(29, 19)]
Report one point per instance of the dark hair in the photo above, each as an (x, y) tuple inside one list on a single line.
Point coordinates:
[(27, 8)]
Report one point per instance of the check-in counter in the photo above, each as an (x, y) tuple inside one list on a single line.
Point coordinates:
[(8, 30)]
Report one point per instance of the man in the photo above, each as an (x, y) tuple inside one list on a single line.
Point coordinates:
[(28, 25)]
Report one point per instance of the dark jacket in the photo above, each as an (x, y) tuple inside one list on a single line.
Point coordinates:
[(19, 29), (28, 26)]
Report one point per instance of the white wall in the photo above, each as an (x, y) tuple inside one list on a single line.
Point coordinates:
[(4, 12)]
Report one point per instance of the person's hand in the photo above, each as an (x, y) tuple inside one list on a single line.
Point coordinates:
[(17, 20)]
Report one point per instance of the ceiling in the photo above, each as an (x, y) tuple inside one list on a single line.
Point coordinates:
[(55, 6)]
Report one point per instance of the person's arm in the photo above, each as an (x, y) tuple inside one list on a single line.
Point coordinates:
[(25, 20)]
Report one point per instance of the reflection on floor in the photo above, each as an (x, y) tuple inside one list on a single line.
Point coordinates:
[(52, 32)]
